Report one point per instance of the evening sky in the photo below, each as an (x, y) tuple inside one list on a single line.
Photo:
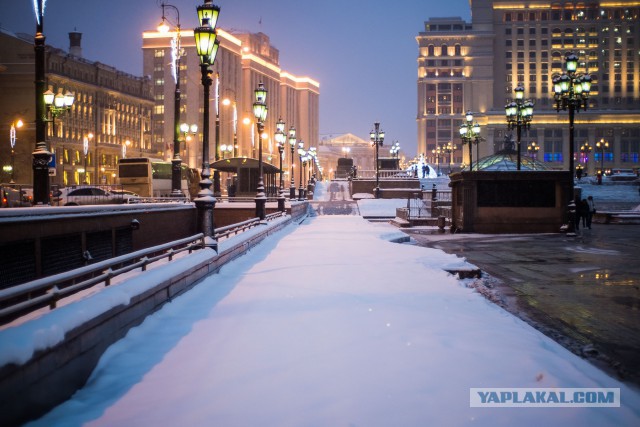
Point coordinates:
[(363, 52)]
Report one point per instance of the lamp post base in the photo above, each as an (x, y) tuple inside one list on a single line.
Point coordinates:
[(292, 192), (281, 200), (205, 205), (41, 159), (301, 193), (261, 202), (176, 178)]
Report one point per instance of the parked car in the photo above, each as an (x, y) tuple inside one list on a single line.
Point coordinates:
[(12, 197), (623, 175), (124, 196), (82, 195)]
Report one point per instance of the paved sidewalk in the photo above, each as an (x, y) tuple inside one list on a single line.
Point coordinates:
[(583, 291), (329, 324)]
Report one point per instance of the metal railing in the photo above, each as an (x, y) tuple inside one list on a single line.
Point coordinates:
[(25, 298), (429, 204), (225, 232), (383, 174), (28, 297)]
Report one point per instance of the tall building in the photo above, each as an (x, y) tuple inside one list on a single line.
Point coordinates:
[(111, 112), (476, 66), (243, 61)]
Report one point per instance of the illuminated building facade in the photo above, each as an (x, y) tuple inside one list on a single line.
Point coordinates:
[(243, 61), (110, 108), (476, 66)]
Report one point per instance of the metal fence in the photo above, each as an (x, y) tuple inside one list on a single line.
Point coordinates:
[(383, 174), (18, 300), (429, 204), (27, 297)]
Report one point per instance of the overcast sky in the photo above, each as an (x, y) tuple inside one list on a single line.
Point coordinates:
[(363, 52)]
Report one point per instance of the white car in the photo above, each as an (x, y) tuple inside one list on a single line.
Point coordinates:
[(124, 196), (81, 195)]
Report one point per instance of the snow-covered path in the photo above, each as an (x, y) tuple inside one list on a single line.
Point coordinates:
[(330, 324)]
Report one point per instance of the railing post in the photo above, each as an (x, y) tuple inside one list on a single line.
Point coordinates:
[(107, 281)]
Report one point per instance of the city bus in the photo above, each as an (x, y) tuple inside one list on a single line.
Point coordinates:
[(152, 177)]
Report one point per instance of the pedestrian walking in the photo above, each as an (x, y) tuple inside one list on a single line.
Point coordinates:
[(591, 209), (424, 171), (583, 208)]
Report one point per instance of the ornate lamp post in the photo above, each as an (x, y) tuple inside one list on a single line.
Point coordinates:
[(601, 146), (281, 140), (533, 149), (585, 150), (176, 53), (56, 104), (207, 48), (571, 92), (436, 152), (41, 154), (449, 149), (85, 149), (377, 139), (260, 113), (292, 145), (470, 133), (519, 114), (301, 154), (187, 129), (394, 150)]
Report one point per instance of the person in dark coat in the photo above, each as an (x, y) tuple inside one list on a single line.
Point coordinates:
[(583, 209)]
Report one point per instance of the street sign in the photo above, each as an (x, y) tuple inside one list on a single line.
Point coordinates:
[(52, 165)]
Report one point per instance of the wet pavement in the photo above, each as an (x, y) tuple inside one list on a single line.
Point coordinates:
[(582, 291)]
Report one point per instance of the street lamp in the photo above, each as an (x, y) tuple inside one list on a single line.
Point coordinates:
[(301, 154), (436, 152), (281, 140), (377, 139), (519, 114), (292, 144), (449, 149), (470, 133), (585, 150), (260, 112), (41, 154), (601, 146), (187, 129), (571, 92), (207, 47), (12, 141), (85, 149), (226, 148), (176, 53), (533, 149), (234, 147)]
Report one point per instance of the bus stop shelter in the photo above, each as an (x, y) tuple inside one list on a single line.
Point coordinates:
[(243, 177)]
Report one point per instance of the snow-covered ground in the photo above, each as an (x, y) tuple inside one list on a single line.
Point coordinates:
[(329, 324)]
